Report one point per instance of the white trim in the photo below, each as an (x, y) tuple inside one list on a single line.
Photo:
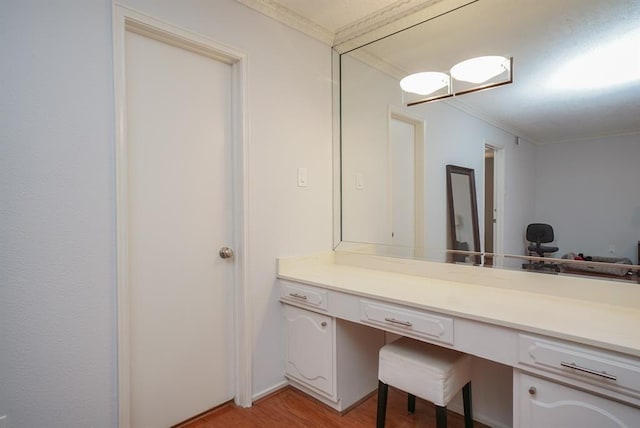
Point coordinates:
[(380, 23), (336, 148), (275, 388), (499, 191), (288, 17), (391, 19), (127, 19)]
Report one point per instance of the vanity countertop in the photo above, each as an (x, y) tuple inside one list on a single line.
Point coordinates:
[(594, 312)]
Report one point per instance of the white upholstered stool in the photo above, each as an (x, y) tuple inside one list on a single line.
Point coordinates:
[(427, 371)]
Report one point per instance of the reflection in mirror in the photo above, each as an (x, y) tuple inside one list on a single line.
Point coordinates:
[(463, 215), (566, 147)]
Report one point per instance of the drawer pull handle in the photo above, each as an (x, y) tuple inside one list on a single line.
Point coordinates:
[(395, 321), (298, 296), (574, 366)]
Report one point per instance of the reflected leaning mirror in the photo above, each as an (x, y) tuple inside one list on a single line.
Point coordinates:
[(464, 243)]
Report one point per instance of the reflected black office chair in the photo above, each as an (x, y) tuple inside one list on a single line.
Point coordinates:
[(538, 234)]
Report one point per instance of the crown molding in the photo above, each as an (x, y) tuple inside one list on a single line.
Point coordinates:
[(379, 18), (395, 17), (391, 19), (288, 17)]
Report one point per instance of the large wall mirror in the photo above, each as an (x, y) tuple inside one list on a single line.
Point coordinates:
[(560, 145)]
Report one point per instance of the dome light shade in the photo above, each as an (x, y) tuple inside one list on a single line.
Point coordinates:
[(480, 69), (424, 83)]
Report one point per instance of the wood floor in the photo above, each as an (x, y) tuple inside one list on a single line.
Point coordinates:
[(290, 408)]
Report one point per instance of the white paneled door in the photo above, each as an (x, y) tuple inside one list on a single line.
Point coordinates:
[(179, 215)]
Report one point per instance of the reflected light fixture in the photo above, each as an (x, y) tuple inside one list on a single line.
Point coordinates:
[(480, 69), (424, 83)]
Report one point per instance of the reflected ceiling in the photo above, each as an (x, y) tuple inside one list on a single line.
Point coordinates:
[(544, 37)]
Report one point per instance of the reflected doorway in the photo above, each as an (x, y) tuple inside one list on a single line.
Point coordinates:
[(406, 176), (493, 203)]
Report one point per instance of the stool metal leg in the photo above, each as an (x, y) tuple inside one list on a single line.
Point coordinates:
[(466, 398), (411, 403), (382, 404), (441, 417)]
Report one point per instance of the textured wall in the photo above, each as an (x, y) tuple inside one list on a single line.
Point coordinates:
[(57, 234), (57, 230)]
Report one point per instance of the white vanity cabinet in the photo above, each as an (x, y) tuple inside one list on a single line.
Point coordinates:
[(576, 366), (564, 384), (309, 349), (333, 360), (542, 403)]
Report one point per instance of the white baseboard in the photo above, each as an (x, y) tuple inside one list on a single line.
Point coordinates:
[(270, 390)]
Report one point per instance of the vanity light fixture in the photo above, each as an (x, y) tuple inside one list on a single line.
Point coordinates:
[(425, 83), (480, 69), (481, 72)]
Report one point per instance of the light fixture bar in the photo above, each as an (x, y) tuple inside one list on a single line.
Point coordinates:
[(468, 91)]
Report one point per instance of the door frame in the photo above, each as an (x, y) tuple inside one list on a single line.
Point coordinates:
[(127, 19), (499, 189), (419, 124)]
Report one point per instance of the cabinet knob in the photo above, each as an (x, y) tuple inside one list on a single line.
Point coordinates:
[(323, 323), (532, 390)]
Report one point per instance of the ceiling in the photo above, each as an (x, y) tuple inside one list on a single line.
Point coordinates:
[(335, 15), (541, 35)]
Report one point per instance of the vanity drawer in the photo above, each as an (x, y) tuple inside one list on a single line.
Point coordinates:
[(304, 295), (581, 363), (406, 322)]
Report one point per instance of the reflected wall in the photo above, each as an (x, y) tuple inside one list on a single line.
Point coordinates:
[(451, 137), (583, 181)]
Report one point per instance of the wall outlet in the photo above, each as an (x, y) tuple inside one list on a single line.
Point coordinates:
[(612, 248)]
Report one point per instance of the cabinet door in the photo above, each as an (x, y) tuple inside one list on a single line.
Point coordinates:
[(544, 404), (309, 349)]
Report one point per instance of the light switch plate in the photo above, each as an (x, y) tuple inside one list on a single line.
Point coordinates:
[(302, 177)]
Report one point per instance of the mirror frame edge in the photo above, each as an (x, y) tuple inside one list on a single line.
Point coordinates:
[(336, 146)]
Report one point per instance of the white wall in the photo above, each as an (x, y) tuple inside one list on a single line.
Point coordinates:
[(588, 192), (58, 290)]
